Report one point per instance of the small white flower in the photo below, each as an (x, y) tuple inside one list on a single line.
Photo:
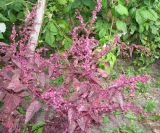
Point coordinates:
[(2, 27)]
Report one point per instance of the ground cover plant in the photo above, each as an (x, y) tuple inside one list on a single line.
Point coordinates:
[(74, 84)]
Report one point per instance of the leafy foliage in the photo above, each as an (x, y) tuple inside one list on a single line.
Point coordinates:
[(13, 11), (139, 20), (150, 105)]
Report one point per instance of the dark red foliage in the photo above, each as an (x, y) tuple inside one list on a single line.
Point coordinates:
[(83, 97)]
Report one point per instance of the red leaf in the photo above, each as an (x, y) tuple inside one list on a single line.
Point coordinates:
[(11, 102), (17, 63), (72, 123), (82, 123), (119, 99), (83, 107), (15, 83), (95, 116), (70, 115), (76, 84), (31, 110), (42, 79), (9, 123), (72, 126), (50, 71)]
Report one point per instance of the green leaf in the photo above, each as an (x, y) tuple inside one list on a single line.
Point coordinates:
[(24, 131), (152, 15), (17, 5), (38, 126), (76, 3), (111, 58), (27, 98), (143, 15), (141, 28), (21, 110), (133, 128), (150, 105), (99, 25), (154, 29), (88, 3), (49, 38), (133, 28), (52, 28), (104, 4), (105, 119), (57, 81), (40, 130), (121, 2), (139, 17), (67, 42), (12, 16), (154, 118), (130, 116), (62, 2), (1, 36), (3, 18), (121, 26), (102, 32), (121, 10)]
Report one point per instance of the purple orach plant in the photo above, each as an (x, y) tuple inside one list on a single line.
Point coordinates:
[(83, 97)]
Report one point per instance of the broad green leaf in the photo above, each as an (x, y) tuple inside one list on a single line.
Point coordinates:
[(12, 16), (133, 28), (150, 105), (153, 15), (49, 38), (76, 3), (139, 17), (121, 2), (122, 10), (62, 2), (1, 36), (154, 29), (104, 4), (67, 42), (88, 3), (3, 18), (52, 28), (99, 25), (102, 32), (141, 28), (121, 26), (143, 15)]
